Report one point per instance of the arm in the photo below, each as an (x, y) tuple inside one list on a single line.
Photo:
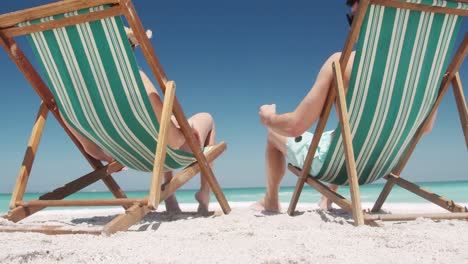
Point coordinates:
[(430, 125), (295, 123)]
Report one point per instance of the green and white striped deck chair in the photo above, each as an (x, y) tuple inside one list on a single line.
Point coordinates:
[(94, 77), (399, 76), (92, 73)]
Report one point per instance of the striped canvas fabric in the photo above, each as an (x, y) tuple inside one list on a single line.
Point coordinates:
[(92, 72), (401, 58)]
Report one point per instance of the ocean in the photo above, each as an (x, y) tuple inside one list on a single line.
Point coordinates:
[(453, 190)]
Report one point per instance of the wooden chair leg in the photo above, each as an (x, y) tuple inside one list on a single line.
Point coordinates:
[(311, 153), (114, 188), (296, 195), (307, 165), (186, 174), (383, 195), (208, 174), (124, 221), (33, 77), (23, 176), (153, 61), (348, 145), (137, 212), (324, 190), (335, 197), (160, 156), (461, 104)]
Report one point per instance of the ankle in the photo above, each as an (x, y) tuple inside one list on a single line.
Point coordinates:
[(271, 199), (272, 195)]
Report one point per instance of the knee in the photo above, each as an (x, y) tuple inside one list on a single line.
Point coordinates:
[(272, 138), (207, 118), (206, 115), (335, 56)]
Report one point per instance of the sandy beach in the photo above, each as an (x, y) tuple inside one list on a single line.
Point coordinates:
[(244, 236), (110, 99)]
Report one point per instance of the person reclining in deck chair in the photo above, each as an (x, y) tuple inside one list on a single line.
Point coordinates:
[(202, 125), (288, 138)]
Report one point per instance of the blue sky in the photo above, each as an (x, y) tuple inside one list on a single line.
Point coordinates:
[(227, 58)]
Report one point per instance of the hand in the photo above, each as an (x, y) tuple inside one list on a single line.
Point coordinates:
[(266, 112)]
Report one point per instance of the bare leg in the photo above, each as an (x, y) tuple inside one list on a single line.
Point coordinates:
[(325, 203), (205, 132), (308, 112), (275, 169), (203, 128), (175, 136), (172, 206)]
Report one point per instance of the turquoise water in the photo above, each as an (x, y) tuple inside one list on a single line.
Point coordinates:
[(457, 191)]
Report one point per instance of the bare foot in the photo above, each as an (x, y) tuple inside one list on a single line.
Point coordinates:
[(258, 205), (203, 198), (172, 206), (325, 204), (268, 205)]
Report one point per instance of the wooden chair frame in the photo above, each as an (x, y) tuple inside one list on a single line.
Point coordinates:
[(136, 209), (337, 94)]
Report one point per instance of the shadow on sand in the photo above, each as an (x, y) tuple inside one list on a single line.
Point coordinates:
[(151, 221)]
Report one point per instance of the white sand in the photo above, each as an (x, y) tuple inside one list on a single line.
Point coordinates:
[(244, 236)]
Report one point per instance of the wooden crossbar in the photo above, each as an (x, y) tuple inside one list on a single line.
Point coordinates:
[(13, 18), (95, 202), (63, 22), (421, 7), (432, 197), (168, 188), (21, 212), (409, 217), (47, 230)]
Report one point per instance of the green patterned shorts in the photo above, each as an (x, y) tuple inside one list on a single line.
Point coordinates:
[(299, 146)]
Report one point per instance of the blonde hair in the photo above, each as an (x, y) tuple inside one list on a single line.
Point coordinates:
[(131, 37)]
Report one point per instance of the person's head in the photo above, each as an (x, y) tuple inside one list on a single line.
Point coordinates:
[(132, 39), (353, 4)]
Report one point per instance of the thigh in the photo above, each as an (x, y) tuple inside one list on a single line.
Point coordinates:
[(277, 141)]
